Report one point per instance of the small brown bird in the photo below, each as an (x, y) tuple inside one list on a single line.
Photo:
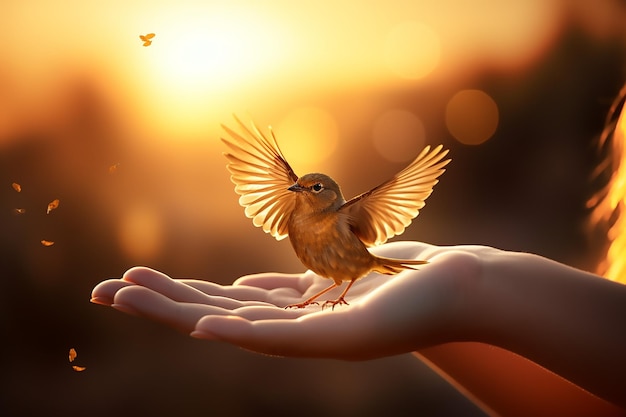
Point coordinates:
[(329, 234)]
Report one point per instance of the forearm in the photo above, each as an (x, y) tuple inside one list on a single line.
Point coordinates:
[(569, 321)]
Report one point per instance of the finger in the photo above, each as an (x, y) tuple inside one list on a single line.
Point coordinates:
[(178, 290), (271, 281), (274, 288), (279, 297), (241, 292), (254, 313), (143, 302), (326, 334), (404, 250), (104, 292), (163, 284)]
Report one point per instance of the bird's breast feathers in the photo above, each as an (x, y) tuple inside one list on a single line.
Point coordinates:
[(325, 244)]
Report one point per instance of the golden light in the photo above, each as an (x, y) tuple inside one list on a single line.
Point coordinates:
[(140, 232), (307, 136), (398, 135), (213, 53), (610, 204), (472, 116), (201, 65), (412, 50), (511, 34), (208, 60)]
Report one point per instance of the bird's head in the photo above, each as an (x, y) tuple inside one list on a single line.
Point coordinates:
[(318, 192)]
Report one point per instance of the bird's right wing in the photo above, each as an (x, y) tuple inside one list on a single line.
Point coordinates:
[(261, 176)]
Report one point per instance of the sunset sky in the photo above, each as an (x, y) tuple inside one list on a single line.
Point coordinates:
[(127, 138), (210, 59)]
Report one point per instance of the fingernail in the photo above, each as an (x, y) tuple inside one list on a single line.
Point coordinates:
[(125, 309), (201, 334), (101, 300)]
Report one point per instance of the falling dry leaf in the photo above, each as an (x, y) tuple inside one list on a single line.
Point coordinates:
[(17, 187), (20, 211), (52, 205), (47, 243), (72, 356), (146, 39), (113, 168)]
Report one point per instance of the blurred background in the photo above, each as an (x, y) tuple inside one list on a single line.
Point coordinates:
[(126, 137)]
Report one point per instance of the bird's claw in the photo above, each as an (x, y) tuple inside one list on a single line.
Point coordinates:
[(333, 303), (301, 305)]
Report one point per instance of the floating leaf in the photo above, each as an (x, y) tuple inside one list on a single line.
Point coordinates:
[(17, 187), (72, 354), (113, 168), (52, 205), (146, 39), (47, 242), (78, 368)]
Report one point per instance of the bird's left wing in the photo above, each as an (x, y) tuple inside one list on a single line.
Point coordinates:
[(261, 176), (386, 210)]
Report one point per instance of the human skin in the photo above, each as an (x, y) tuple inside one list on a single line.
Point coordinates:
[(515, 309)]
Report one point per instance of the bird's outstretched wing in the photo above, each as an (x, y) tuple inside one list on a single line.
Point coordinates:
[(261, 176), (386, 210)]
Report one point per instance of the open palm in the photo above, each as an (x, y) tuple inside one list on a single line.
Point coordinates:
[(521, 302), (385, 315)]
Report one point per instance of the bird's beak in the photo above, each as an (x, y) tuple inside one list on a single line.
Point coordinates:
[(296, 188)]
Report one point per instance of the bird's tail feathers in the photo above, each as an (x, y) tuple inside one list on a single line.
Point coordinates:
[(391, 266)]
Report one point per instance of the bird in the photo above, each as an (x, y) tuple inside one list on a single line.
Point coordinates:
[(329, 235)]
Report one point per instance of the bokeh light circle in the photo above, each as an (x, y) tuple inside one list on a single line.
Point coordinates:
[(472, 116), (398, 135)]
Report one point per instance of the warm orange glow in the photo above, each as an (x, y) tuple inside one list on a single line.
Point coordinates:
[(398, 135), (412, 50), (472, 117), (517, 32), (307, 137), (214, 52), (124, 127), (202, 64), (140, 232), (610, 208), (209, 60)]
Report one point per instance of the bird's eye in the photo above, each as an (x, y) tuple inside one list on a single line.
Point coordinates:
[(317, 187)]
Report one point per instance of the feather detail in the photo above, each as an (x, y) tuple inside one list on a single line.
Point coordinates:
[(261, 176)]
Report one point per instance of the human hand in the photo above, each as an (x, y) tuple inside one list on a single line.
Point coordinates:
[(521, 302), (385, 315)]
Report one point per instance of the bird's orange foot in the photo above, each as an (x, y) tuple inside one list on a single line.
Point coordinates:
[(301, 305), (333, 303)]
